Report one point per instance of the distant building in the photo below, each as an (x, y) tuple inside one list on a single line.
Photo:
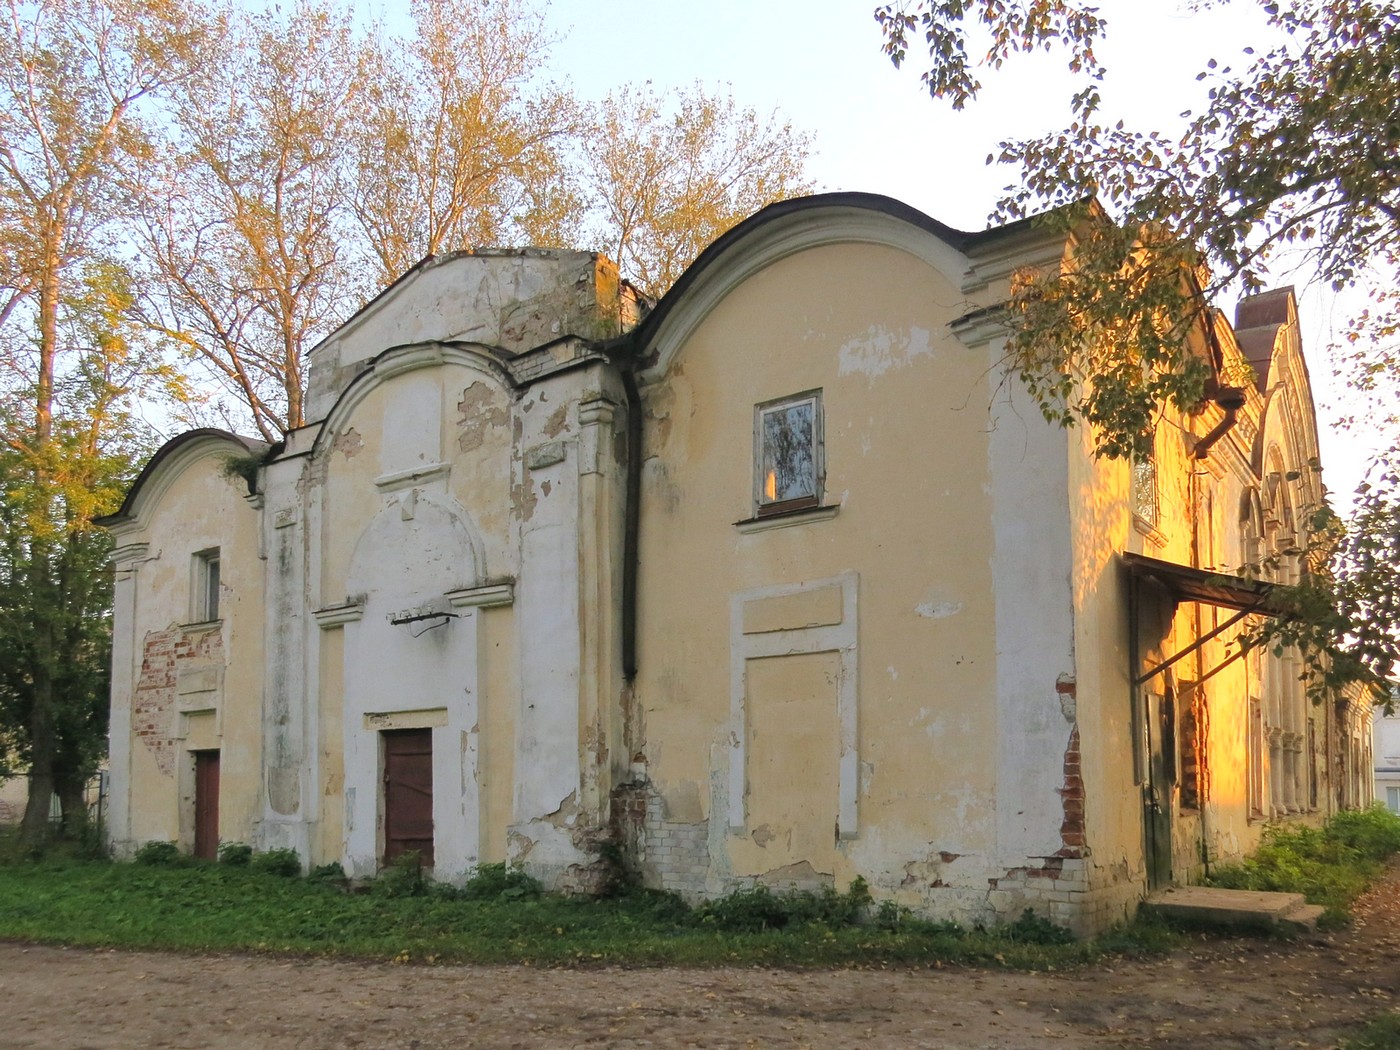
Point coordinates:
[(1387, 754), (788, 584)]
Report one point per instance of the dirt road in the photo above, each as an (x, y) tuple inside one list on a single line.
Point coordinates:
[(1218, 993)]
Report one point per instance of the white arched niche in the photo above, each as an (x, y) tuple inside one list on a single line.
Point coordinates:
[(411, 662)]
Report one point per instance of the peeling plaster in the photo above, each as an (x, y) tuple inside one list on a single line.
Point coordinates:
[(557, 421), (880, 349), (934, 608), (164, 655), (478, 413), (800, 874), (349, 443)]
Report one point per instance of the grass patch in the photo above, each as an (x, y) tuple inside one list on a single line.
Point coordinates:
[(1331, 865), (500, 917), (1383, 1033)]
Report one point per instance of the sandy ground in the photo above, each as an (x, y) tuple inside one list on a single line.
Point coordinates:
[(1234, 992)]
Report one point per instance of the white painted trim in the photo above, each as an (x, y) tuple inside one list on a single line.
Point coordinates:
[(127, 555), (409, 359), (788, 519), (154, 487), (485, 597), (402, 479), (839, 638), (394, 362), (426, 718), (339, 615)]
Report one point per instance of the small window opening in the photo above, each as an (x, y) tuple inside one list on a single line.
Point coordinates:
[(1145, 504), (788, 454), (205, 586)]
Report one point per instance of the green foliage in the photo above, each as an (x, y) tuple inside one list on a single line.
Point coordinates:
[(759, 908), (215, 907), (72, 368), (402, 878), (1382, 1033), (1031, 928), (156, 854), (235, 854), (247, 467), (1373, 833), (1330, 866), (492, 881), (283, 862), (330, 874)]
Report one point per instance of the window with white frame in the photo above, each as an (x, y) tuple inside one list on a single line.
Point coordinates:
[(789, 466), (204, 586), (1392, 799)]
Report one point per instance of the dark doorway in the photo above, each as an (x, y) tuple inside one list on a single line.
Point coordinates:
[(206, 804), (1158, 788), (408, 794)]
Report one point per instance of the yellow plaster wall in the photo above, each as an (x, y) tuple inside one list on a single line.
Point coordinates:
[(329, 842), (198, 510), (906, 455), (500, 701), (1199, 523)]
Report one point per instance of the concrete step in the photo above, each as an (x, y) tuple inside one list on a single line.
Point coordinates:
[(1210, 906), (1302, 919)]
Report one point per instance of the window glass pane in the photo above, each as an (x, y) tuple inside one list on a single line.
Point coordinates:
[(1145, 490), (211, 598), (789, 452), (1392, 799)]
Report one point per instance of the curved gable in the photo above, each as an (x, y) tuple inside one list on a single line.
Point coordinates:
[(169, 462), (784, 229), (397, 361)]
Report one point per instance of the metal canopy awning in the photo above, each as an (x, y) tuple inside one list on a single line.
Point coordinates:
[(1187, 584)]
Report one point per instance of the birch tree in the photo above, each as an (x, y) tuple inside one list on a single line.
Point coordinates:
[(245, 224), (74, 75), (456, 148), (668, 174)]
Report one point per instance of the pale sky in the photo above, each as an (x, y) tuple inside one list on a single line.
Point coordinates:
[(819, 63)]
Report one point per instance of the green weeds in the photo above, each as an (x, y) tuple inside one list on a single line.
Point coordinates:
[(1330, 865), (500, 915), (283, 862), (235, 854), (1383, 1033), (257, 902)]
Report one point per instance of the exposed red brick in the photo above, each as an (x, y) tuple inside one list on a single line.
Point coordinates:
[(1072, 796), (153, 704)]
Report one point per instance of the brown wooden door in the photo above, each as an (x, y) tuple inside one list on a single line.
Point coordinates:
[(408, 794), (206, 804)]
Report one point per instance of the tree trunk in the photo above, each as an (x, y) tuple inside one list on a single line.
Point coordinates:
[(43, 742), (43, 734), (72, 797)]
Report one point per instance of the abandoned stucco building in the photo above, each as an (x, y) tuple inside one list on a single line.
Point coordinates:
[(784, 585)]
